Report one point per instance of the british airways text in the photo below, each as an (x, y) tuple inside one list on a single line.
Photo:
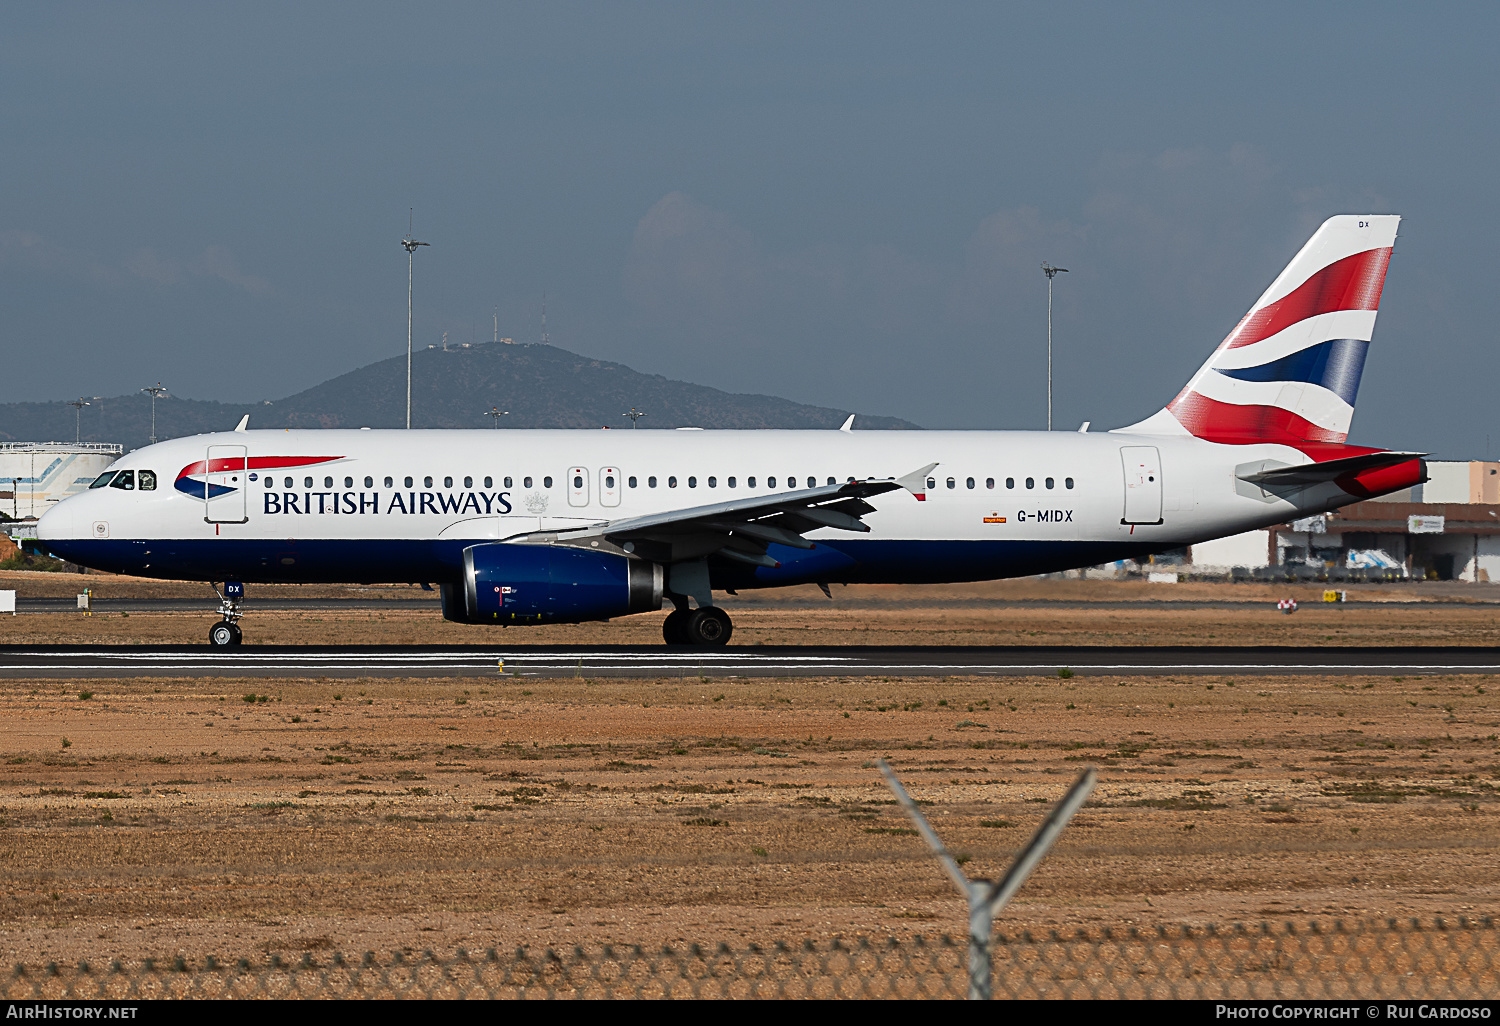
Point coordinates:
[(365, 503)]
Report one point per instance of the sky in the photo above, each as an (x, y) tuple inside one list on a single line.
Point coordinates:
[(844, 204)]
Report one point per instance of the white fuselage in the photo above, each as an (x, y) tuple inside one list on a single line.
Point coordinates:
[(381, 505)]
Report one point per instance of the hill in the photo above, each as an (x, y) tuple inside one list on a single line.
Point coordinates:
[(541, 386)]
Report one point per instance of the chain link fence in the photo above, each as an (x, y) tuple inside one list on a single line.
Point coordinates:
[(1389, 959)]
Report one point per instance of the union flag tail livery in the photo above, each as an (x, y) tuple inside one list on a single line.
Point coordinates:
[(531, 527), (1289, 371)]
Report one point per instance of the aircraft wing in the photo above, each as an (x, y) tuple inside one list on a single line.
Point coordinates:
[(740, 529)]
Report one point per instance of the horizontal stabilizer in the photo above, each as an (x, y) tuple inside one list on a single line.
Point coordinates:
[(1329, 470)]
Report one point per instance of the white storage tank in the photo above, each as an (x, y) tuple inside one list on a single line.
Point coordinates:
[(35, 475)]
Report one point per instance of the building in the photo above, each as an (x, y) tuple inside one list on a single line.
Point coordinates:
[(34, 475)]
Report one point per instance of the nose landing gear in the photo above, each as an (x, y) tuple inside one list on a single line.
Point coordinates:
[(227, 631)]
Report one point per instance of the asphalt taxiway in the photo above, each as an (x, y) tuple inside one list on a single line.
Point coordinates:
[(23, 662)]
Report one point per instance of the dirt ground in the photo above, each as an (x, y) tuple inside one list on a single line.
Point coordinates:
[(233, 817)]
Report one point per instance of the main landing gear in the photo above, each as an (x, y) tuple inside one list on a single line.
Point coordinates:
[(227, 631), (704, 627)]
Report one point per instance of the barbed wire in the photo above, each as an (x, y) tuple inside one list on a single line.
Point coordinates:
[(1364, 959)]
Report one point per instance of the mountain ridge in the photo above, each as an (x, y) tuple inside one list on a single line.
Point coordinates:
[(537, 385)]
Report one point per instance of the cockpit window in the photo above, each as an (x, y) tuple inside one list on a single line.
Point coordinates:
[(124, 479), (147, 481), (103, 479)]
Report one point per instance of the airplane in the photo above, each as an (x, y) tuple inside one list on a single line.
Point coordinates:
[(537, 526)]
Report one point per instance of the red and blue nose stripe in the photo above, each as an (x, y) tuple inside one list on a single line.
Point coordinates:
[(189, 479)]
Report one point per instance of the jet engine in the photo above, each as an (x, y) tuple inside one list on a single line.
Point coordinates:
[(506, 583)]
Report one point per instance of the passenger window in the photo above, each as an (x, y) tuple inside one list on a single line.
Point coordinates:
[(770, 482), (348, 482), (426, 482), (632, 482), (508, 484), (609, 481), (834, 480), (270, 481), (692, 482), (1067, 482), (1049, 482), (526, 483), (1010, 482), (812, 482), (447, 482), (577, 481), (489, 482), (713, 482), (931, 483), (103, 479), (951, 483), (286, 482), (1031, 482), (731, 482), (651, 482), (328, 482), (749, 482), (546, 482), (989, 482), (370, 482), (125, 481), (671, 482), (971, 482)]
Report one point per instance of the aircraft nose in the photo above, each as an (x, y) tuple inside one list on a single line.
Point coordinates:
[(57, 524)]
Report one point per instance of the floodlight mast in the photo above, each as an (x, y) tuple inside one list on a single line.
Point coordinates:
[(497, 413), (410, 245), (1051, 272), (155, 391), (634, 415), (78, 405)]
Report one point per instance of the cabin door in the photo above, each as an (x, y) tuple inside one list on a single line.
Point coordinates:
[(1142, 464), (225, 484)]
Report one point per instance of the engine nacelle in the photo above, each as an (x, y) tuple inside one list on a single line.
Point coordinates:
[(506, 583)]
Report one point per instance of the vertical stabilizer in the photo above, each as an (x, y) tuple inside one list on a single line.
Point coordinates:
[(1289, 371)]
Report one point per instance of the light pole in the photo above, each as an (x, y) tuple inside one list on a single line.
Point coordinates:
[(1051, 272), (156, 392), (497, 413), (634, 415), (78, 405), (410, 245)]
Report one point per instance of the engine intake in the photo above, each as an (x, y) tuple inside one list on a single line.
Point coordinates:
[(506, 583)]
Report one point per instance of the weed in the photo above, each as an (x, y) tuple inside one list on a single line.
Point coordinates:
[(84, 696), (996, 824), (1065, 673)]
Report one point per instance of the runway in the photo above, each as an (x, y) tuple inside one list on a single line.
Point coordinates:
[(31, 662)]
